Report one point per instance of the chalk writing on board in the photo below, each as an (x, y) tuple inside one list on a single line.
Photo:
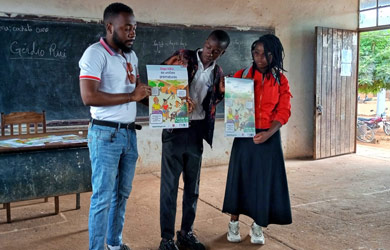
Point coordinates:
[(237, 43), (23, 28), (159, 45), (34, 50)]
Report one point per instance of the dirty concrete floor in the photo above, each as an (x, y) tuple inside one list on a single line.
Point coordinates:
[(337, 203)]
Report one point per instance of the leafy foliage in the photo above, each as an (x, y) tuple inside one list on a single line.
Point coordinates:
[(152, 83), (374, 61)]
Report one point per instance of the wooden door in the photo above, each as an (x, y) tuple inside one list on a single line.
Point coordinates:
[(335, 92)]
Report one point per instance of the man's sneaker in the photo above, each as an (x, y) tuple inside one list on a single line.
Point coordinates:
[(233, 234), (123, 247), (167, 245), (256, 233), (189, 241)]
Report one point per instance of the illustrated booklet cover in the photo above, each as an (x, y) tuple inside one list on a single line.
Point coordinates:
[(239, 107), (167, 105)]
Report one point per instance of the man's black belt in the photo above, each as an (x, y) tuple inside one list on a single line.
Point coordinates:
[(117, 124)]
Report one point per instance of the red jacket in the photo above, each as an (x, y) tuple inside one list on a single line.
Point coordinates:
[(272, 101)]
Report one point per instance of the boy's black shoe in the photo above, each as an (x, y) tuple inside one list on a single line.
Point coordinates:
[(167, 245), (189, 241)]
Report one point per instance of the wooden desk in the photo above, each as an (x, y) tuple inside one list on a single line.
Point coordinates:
[(48, 170)]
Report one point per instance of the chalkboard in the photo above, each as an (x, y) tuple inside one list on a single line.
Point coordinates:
[(39, 60)]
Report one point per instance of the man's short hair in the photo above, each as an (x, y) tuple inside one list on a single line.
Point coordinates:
[(221, 36), (114, 10)]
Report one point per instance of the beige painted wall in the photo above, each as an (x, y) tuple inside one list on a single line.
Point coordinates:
[(293, 21)]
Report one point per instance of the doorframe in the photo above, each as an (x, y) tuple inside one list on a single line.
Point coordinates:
[(359, 31)]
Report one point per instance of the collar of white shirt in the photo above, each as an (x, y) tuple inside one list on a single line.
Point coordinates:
[(200, 64)]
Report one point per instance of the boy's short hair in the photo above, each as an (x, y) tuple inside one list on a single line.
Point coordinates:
[(114, 10), (222, 37)]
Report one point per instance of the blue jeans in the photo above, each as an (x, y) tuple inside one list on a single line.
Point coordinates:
[(113, 154)]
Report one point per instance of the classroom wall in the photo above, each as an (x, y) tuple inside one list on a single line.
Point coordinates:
[(294, 22)]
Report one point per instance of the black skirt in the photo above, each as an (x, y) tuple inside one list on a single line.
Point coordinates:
[(257, 183)]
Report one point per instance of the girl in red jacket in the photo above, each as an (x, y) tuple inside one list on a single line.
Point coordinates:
[(257, 183)]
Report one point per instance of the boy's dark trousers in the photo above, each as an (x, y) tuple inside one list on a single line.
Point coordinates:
[(181, 152)]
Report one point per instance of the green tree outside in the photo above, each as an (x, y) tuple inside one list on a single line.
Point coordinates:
[(374, 61)]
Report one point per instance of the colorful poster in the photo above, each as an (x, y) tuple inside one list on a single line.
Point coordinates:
[(167, 105), (239, 107)]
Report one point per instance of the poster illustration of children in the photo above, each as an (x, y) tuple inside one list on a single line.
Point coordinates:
[(236, 120), (169, 86), (156, 105), (239, 99), (166, 108), (230, 117)]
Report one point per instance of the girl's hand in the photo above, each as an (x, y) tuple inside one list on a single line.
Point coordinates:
[(261, 137), (265, 135)]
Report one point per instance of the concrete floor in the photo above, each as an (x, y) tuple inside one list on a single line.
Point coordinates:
[(337, 203)]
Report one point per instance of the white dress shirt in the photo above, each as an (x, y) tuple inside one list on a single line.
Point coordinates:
[(202, 81)]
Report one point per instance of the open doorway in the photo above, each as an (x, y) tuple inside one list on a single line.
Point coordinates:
[(373, 108), (337, 93), (373, 97)]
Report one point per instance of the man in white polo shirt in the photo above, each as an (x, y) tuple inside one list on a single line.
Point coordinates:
[(109, 83)]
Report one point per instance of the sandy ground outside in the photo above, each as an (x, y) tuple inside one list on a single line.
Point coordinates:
[(381, 139)]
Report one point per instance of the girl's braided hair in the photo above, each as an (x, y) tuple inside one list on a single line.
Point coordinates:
[(273, 46)]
